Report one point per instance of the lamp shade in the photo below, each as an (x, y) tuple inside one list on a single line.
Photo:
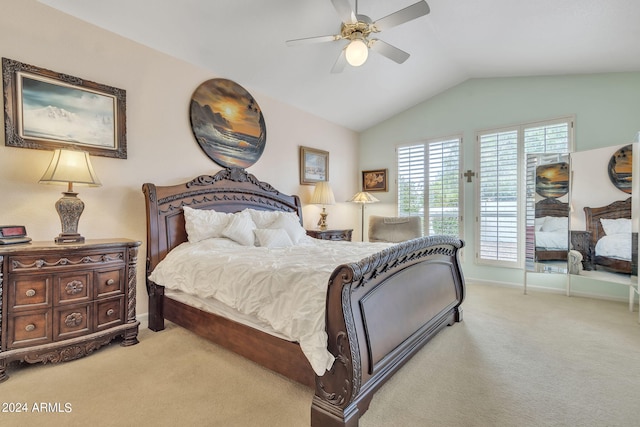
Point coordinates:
[(363, 197), (323, 195), (70, 166), (357, 52)]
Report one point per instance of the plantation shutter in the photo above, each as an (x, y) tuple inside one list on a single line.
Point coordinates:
[(499, 235), (429, 184), (498, 196), (444, 187), (411, 178)]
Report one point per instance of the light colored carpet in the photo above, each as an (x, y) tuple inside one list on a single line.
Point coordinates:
[(516, 360)]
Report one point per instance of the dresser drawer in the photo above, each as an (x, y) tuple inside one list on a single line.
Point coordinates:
[(55, 261), (29, 292), (109, 283), (71, 321), (110, 312), (73, 287), (29, 328)]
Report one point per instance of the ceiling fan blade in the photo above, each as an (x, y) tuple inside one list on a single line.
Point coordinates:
[(346, 14), (391, 52), (403, 15), (309, 40), (341, 62)]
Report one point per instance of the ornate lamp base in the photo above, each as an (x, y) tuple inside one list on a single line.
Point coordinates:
[(69, 208), (322, 223)]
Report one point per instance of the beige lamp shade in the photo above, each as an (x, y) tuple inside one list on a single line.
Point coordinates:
[(323, 194), (363, 197), (68, 167)]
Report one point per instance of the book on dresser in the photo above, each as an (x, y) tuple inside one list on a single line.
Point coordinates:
[(62, 302)]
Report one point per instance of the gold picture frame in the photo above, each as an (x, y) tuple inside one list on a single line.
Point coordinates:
[(314, 165), (374, 180)]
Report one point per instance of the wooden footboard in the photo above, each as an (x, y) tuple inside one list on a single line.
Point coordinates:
[(380, 312)]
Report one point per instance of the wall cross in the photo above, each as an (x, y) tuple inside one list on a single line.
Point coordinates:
[(468, 174)]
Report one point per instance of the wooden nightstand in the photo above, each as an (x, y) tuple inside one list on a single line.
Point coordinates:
[(331, 234), (62, 302), (581, 242)]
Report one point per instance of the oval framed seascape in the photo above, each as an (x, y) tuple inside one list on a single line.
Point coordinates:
[(227, 123)]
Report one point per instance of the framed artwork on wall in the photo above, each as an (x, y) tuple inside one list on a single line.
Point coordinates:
[(374, 180), (46, 110), (314, 165)]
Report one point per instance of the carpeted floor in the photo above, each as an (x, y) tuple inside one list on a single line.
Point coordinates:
[(517, 360)]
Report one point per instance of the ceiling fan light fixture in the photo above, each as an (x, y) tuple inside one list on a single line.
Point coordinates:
[(357, 52)]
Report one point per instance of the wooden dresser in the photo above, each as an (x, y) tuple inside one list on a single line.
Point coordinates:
[(62, 302)]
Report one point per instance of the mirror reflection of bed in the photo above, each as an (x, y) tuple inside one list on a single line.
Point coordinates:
[(603, 222)]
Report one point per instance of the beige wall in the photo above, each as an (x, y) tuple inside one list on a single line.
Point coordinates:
[(161, 147)]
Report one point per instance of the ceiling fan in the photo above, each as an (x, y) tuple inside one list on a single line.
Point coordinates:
[(358, 28)]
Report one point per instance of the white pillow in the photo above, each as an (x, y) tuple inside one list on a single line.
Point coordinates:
[(538, 223), (263, 219), (291, 226), (616, 226), (272, 237), (203, 224), (240, 229), (553, 223)]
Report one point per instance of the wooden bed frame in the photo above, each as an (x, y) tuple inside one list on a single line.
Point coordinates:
[(380, 311), (615, 210), (552, 207)]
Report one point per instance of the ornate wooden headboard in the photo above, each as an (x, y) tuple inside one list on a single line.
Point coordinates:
[(230, 190), (615, 210), (551, 207)]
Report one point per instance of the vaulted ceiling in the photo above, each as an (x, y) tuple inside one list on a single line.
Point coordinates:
[(244, 41)]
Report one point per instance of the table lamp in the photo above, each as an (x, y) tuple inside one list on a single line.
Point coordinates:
[(69, 167), (323, 195)]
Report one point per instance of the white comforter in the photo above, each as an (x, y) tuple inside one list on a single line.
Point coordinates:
[(285, 287)]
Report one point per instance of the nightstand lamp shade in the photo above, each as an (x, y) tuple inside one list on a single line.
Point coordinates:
[(363, 198), (323, 195), (69, 167)]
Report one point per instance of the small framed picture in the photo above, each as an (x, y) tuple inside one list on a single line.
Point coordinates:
[(46, 110), (314, 166), (374, 180)]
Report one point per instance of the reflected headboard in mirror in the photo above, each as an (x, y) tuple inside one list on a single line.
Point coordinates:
[(551, 230), (611, 239)]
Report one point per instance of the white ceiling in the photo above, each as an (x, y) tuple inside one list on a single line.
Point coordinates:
[(244, 41)]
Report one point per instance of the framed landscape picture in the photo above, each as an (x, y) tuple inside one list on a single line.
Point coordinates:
[(314, 165), (46, 110), (374, 180)]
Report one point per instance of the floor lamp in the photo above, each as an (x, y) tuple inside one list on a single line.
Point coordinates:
[(363, 197)]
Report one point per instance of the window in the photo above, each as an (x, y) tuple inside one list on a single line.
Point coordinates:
[(502, 168), (429, 184)]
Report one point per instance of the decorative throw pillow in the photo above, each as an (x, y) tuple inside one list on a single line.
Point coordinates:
[(203, 224), (616, 226), (240, 229), (272, 237), (263, 219), (291, 225)]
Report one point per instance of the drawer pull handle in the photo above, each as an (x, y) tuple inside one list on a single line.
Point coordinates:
[(74, 287), (110, 312), (30, 327), (74, 319), (110, 282), (31, 292)]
